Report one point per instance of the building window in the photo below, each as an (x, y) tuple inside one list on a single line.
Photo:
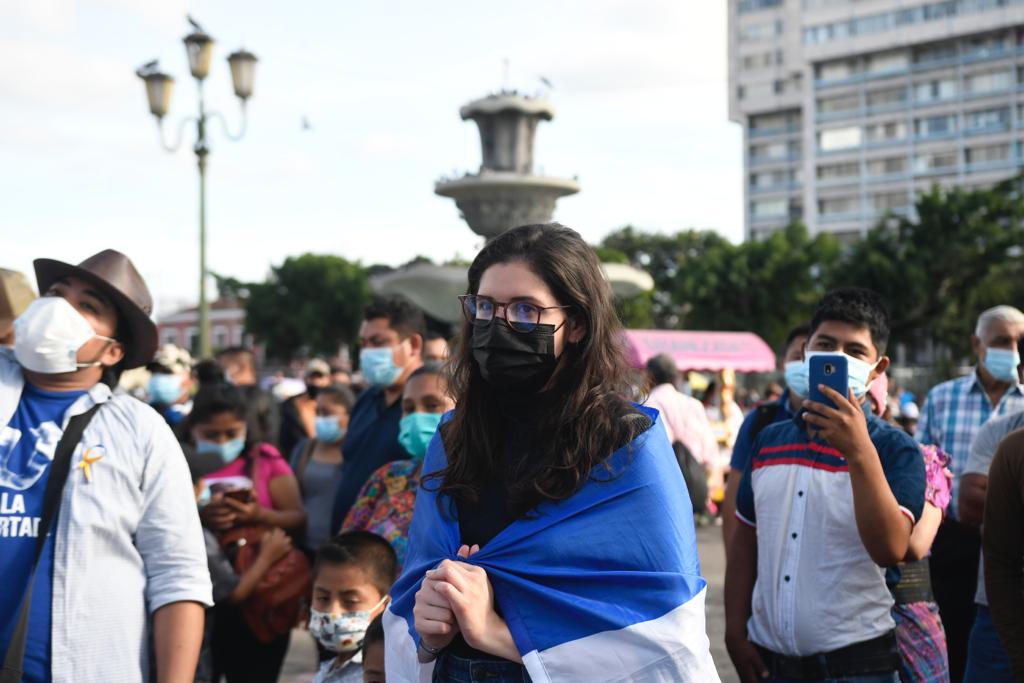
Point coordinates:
[(988, 82), (988, 119), (839, 138), (887, 97), (933, 91), (756, 91), (192, 340), (838, 205), (887, 62), (988, 46), (896, 19), (770, 208), (988, 154), (832, 105), (836, 71), (935, 126), (926, 163), (169, 335), (885, 132), (935, 53), (848, 169), (760, 60), (776, 121), (775, 151), (753, 5), (887, 166), (769, 179), (889, 201), (220, 337)]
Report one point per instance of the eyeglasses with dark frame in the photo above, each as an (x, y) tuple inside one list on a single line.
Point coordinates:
[(521, 316)]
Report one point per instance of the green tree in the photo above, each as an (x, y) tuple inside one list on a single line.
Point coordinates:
[(702, 281), (960, 254), (310, 304)]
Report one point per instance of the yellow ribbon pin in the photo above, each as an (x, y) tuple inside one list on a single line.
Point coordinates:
[(88, 460)]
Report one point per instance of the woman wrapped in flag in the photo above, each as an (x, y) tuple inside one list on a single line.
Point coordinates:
[(553, 537)]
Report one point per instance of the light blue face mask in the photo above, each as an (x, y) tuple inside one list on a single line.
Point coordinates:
[(378, 366), (164, 389), (1002, 364), (228, 451), (415, 432), (327, 429), (796, 378), (857, 372)]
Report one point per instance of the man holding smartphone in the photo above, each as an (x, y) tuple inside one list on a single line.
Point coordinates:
[(828, 499)]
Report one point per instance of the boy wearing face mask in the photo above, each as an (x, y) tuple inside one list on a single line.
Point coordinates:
[(170, 385), (385, 504), (391, 341), (828, 499), (352, 576)]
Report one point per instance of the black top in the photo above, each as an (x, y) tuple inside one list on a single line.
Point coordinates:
[(370, 442), (482, 520)]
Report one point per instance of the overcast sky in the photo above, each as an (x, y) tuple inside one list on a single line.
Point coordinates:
[(639, 90)]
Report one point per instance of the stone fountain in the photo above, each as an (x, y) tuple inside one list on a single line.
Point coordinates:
[(505, 193)]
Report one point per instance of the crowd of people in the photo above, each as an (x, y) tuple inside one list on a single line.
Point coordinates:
[(517, 506)]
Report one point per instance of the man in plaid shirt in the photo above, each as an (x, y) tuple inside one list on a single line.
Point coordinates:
[(953, 414)]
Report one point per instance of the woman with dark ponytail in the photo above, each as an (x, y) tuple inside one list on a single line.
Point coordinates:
[(553, 538)]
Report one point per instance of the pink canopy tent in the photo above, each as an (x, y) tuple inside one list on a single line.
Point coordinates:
[(693, 350)]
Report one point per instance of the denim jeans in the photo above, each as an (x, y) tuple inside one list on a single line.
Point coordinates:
[(862, 678), (452, 669), (986, 659)]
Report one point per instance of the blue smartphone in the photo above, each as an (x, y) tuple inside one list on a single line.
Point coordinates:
[(832, 371)]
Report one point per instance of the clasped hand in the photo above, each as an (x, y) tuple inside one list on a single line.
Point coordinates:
[(843, 427), (457, 597)]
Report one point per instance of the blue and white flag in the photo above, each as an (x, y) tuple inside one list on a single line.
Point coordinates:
[(604, 586)]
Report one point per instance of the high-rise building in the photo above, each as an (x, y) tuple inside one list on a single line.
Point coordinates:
[(850, 108)]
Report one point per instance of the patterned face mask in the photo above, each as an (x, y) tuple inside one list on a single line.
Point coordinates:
[(343, 631)]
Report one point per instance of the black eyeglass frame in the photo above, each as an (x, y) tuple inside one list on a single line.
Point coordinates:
[(503, 306)]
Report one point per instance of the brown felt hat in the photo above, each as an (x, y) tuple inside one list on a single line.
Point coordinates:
[(114, 275)]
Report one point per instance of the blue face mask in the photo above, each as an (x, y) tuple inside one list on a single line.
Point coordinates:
[(415, 432), (796, 378), (228, 451), (378, 366), (1002, 364), (327, 429), (165, 389)]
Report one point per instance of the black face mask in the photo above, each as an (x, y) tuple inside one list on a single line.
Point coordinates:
[(312, 390), (515, 361)]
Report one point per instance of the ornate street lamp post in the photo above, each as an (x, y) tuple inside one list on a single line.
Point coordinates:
[(199, 48)]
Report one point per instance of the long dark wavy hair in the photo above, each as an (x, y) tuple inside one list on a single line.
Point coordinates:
[(579, 415)]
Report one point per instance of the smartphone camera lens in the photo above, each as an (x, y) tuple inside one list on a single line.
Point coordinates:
[(829, 369)]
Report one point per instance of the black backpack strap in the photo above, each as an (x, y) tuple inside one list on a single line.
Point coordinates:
[(765, 416), (59, 469)]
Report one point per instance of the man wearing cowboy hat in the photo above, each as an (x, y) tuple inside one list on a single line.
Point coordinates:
[(126, 548)]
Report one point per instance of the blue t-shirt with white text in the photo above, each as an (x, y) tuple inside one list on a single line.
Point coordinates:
[(27, 447)]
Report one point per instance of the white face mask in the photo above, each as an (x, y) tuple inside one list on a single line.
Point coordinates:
[(344, 631), (48, 335)]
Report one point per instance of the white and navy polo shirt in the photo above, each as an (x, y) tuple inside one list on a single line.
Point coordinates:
[(817, 588)]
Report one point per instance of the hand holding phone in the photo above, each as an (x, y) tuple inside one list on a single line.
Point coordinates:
[(832, 370)]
